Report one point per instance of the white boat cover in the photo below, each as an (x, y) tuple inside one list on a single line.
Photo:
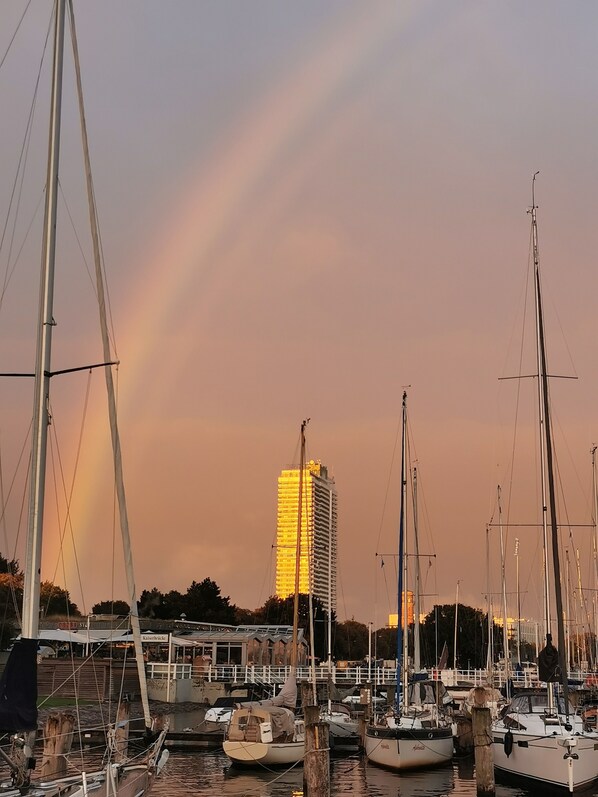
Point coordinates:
[(287, 696)]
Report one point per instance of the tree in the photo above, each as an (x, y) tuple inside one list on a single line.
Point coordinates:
[(351, 641), (56, 602), (385, 644), (201, 603), (11, 592), (472, 635), (205, 604), (110, 607), (149, 602)]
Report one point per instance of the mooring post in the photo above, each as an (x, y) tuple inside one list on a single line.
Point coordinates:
[(58, 738), (481, 725), (316, 767), (121, 731)]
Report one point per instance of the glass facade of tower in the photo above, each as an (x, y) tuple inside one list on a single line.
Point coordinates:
[(318, 550)]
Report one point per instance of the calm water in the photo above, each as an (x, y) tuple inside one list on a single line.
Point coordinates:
[(198, 774)]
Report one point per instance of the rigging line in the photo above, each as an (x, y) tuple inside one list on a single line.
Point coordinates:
[(68, 495), (94, 217), (390, 472), (85, 261), (23, 506), (10, 569), (518, 393), (14, 35), (21, 171)]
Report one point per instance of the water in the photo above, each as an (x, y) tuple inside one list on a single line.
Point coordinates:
[(199, 774)]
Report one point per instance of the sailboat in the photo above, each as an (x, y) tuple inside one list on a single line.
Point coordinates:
[(539, 737), (119, 775), (417, 733), (268, 733)]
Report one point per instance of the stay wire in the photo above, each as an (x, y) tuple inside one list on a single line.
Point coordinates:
[(14, 35), (19, 179)]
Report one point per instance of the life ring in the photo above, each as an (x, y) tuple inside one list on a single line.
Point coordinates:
[(508, 743)]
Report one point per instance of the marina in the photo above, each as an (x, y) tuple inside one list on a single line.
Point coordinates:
[(295, 199)]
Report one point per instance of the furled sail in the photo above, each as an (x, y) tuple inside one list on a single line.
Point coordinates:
[(18, 688)]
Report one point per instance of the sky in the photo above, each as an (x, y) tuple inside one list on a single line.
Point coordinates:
[(305, 208)]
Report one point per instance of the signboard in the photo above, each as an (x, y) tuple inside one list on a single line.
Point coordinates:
[(155, 637)]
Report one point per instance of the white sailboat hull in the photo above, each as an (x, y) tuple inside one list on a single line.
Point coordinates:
[(408, 748), (544, 758), (269, 753)]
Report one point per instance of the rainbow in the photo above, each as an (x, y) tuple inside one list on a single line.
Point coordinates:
[(230, 199)]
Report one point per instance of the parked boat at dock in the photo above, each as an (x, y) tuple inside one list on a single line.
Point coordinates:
[(417, 732), (539, 737)]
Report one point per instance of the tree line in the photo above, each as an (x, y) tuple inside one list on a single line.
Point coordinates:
[(204, 602)]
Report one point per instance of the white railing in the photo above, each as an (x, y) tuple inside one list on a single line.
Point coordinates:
[(342, 676), (162, 670)]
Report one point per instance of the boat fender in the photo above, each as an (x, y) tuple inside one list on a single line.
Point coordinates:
[(162, 761), (508, 743)]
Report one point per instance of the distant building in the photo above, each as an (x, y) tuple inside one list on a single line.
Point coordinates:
[(318, 551), (393, 619)]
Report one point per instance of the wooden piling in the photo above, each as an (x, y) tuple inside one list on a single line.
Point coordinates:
[(121, 731), (307, 693), (316, 767), (481, 723), (58, 738)]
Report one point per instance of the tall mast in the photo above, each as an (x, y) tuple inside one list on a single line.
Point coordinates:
[(595, 524), (505, 630), (41, 409), (298, 547), (417, 591), (401, 591), (541, 412), (543, 381), (110, 391), (518, 600), (489, 652)]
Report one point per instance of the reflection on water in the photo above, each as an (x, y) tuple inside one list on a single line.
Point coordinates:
[(207, 774), (432, 782)]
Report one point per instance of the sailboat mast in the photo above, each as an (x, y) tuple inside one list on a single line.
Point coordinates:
[(110, 391), (595, 524), (41, 408), (401, 590), (417, 590), (489, 652), (505, 629), (294, 650), (556, 566), (541, 413)]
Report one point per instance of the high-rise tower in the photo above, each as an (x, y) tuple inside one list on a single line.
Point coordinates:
[(318, 533)]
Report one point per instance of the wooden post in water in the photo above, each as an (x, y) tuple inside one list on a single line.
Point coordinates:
[(307, 695), (316, 767), (121, 731), (58, 738), (481, 726)]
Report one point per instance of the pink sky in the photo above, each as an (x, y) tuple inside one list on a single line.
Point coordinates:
[(305, 207)]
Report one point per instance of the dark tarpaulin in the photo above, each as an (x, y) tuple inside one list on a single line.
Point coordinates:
[(549, 670), (18, 688)]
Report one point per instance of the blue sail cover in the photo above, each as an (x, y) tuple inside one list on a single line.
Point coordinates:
[(18, 688)]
